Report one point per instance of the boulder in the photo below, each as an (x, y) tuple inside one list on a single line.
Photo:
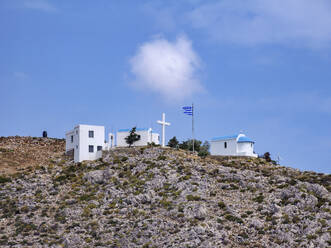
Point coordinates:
[(97, 176)]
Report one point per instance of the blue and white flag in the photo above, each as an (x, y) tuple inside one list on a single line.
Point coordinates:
[(188, 110)]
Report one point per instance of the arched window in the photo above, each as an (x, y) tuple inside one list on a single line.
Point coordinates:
[(225, 145)]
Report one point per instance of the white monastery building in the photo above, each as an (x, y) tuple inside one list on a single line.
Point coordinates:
[(146, 136), (233, 145), (86, 142)]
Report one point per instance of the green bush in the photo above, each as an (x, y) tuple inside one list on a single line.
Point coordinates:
[(166, 204), (233, 218), (193, 198), (286, 219), (173, 142), (244, 235), (161, 157), (203, 153), (87, 197), (123, 159), (221, 205), (23, 227), (259, 199), (4, 180)]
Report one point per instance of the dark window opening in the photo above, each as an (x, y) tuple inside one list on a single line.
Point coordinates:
[(91, 134), (99, 148), (72, 138), (91, 148), (225, 145)]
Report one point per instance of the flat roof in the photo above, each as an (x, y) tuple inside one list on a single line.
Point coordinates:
[(228, 137), (86, 125)]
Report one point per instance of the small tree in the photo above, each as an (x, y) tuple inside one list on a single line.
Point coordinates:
[(184, 145), (188, 145), (204, 149), (133, 137), (267, 157), (173, 142)]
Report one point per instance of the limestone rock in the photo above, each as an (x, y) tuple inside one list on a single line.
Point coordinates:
[(155, 197), (97, 176)]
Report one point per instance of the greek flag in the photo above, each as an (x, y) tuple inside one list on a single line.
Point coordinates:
[(188, 110)]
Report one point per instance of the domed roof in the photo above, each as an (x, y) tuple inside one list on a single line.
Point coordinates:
[(243, 139)]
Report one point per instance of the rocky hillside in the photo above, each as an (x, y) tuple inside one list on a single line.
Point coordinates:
[(21, 153), (153, 197)]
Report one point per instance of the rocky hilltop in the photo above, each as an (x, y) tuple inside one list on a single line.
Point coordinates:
[(23, 153), (154, 197)]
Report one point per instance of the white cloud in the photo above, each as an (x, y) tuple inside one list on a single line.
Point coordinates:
[(167, 68), (43, 5), (250, 22)]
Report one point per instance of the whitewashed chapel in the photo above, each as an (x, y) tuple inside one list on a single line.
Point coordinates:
[(146, 136), (86, 142), (233, 145)]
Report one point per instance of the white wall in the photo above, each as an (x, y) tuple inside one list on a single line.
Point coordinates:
[(246, 149), (234, 148), (217, 147), (146, 136), (70, 143), (85, 141), (73, 144), (156, 138), (111, 140), (82, 141)]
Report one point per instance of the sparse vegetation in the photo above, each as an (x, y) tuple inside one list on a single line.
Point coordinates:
[(143, 196), (4, 179), (233, 218), (193, 198), (221, 205), (259, 199)]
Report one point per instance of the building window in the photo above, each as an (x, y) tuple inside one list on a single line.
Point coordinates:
[(225, 145), (90, 148), (99, 148), (91, 134), (251, 144), (72, 138)]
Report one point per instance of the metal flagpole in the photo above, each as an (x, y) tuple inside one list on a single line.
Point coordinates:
[(193, 127)]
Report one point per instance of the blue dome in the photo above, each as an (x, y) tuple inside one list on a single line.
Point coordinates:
[(243, 139)]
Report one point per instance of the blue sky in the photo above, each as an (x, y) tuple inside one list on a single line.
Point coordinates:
[(258, 66)]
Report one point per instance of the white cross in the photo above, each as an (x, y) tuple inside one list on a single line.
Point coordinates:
[(163, 123)]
